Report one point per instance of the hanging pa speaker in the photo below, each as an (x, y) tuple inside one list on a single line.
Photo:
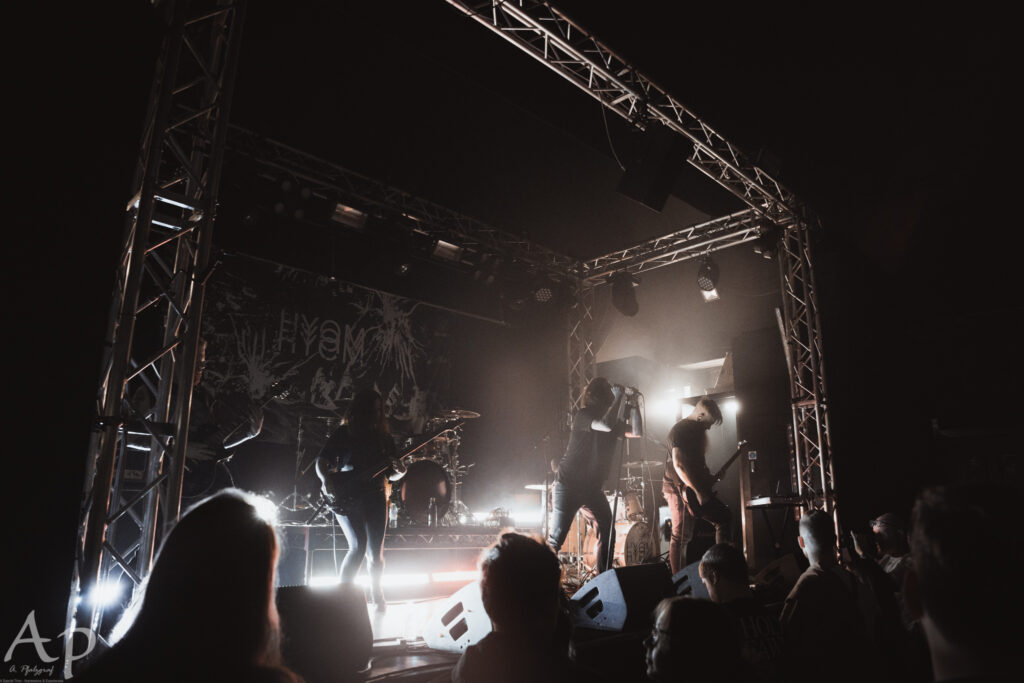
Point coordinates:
[(460, 622), (621, 599), (326, 632), (657, 161), (687, 583)]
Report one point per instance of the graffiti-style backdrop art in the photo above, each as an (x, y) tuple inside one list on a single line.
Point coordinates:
[(299, 345)]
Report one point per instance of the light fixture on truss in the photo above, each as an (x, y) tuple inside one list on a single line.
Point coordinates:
[(707, 279)]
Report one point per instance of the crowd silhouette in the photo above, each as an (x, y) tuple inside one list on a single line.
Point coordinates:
[(934, 600)]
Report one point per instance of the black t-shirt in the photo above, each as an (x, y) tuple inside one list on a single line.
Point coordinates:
[(588, 457), (695, 462), (364, 451), (762, 639), (822, 626), (500, 657)]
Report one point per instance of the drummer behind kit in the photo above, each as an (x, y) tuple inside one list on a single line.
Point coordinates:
[(428, 494)]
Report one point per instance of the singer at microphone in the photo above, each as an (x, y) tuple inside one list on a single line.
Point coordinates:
[(633, 417), (584, 468)]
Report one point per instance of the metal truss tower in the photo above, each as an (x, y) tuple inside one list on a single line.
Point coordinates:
[(132, 493), (547, 35)]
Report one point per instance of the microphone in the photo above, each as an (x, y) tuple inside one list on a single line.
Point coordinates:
[(636, 423)]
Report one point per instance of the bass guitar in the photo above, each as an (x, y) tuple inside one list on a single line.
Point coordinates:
[(343, 489), (690, 496)]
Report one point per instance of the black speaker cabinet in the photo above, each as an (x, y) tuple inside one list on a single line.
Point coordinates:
[(659, 157), (326, 633)]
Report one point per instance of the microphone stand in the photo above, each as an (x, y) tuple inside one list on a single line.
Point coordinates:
[(615, 506)]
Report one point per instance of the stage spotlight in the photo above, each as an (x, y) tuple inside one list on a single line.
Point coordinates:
[(350, 216), (624, 293), (106, 593), (547, 291), (446, 251), (707, 278), (731, 405), (767, 245)]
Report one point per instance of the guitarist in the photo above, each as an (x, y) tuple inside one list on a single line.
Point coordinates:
[(361, 446), (688, 481)]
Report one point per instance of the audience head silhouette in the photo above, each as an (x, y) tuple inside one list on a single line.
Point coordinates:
[(890, 534), (723, 569), (818, 538), (519, 583), (207, 607), (967, 607), (692, 640)]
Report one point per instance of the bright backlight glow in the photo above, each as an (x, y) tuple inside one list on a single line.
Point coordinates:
[(106, 593), (266, 510), (396, 580), (526, 517), (324, 580), (443, 577), (731, 406), (665, 409)]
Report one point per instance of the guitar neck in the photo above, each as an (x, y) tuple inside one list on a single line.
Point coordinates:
[(732, 458)]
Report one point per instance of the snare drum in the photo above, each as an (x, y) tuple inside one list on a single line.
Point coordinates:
[(425, 479)]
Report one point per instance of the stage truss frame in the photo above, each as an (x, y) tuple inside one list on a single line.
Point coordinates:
[(545, 34), (173, 209), (147, 370)]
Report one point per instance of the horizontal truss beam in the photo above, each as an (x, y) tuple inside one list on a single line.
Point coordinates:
[(544, 33), (714, 235), (437, 221)]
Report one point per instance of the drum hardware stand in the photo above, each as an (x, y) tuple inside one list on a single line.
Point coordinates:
[(456, 508), (294, 496)]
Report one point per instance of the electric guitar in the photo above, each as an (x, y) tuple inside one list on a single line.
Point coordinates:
[(211, 441), (690, 496), (343, 489)]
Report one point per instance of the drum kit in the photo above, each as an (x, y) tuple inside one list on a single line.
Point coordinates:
[(428, 494), (635, 519)]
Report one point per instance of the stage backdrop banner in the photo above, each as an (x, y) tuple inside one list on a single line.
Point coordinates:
[(270, 328)]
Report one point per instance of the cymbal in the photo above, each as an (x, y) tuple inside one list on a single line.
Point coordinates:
[(641, 463), (317, 413), (458, 413)]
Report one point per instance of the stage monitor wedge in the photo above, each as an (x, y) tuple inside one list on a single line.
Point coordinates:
[(621, 599)]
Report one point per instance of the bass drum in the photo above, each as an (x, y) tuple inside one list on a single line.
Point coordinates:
[(633, 545), (425, 479)]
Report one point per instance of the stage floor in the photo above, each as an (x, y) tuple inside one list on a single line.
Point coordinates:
[(398, 648)]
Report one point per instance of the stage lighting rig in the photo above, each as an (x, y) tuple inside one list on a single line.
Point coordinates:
[(767, 245), (707, 279)]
